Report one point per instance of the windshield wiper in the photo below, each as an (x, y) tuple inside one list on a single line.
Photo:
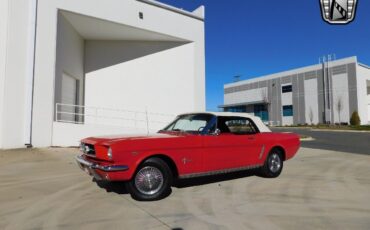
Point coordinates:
[(178, 130)]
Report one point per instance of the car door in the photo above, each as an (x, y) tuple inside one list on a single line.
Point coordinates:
[(237, 144)]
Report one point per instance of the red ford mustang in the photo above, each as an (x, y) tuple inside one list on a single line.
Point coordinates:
[(193, 145)]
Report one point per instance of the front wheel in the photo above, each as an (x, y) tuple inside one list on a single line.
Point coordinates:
[(152, 180), (273, 164)]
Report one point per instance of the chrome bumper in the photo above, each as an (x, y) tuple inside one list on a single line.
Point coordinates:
[(109, 168)]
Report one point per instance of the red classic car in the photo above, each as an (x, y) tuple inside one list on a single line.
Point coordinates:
[(194, 144)]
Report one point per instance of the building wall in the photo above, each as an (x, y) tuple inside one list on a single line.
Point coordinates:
[(320, 91), (352, 88), (286, 100), (300, 104), (69, 58), (311, 101), (368, 105), (3, 40), (368, 95), (123, 12), (14, 68), (77, 132), (296, 97), (140, 76), (340, 98), (307, 92), (368, 110), (363, 98), (246, 96)]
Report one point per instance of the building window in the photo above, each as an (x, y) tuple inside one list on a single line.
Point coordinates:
[(239, 109), (286, 88), (287, 110), (368, 90), (261, 112)]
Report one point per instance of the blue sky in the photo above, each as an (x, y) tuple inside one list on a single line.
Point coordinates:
[(254, 38)]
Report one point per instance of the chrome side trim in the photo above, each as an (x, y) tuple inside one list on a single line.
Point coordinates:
[(108, 168), (223, 171)]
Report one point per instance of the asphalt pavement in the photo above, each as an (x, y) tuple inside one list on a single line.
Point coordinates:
[(342, 141), (318, 189)]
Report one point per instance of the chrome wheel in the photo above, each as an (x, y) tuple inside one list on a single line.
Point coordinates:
[(149, 180), (274, 162)]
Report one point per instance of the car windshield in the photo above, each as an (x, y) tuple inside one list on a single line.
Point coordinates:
[(189, 123)]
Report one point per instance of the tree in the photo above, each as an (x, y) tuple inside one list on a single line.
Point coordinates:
[(355, 118), (339, 107)]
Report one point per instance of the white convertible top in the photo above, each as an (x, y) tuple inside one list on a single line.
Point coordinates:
[(257, 121)]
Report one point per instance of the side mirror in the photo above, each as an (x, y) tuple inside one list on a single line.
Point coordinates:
[(217, 132)]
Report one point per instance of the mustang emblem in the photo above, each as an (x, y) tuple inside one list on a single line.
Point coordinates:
[(185, 160)]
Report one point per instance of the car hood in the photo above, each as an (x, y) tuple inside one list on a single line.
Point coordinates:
[(107, 140)]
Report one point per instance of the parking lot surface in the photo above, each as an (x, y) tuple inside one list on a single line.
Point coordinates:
[(335, 140), (44, 189)]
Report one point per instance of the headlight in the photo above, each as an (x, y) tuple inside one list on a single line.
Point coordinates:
[(110, 154), (82, 147)]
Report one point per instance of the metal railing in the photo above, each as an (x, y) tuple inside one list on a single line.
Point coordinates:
[(79, 114)]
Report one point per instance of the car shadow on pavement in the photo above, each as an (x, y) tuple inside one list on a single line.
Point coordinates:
[(111, 186), (120, 188), (183, 183)]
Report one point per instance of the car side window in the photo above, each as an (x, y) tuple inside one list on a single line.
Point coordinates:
[(237, 126)]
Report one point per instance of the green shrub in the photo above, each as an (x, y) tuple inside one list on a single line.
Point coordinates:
[(355, 119)]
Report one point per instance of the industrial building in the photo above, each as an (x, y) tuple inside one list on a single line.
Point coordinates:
[(328, 92), (71, 69)]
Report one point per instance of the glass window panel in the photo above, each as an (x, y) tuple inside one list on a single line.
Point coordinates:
[(288, 110), (286, 88)]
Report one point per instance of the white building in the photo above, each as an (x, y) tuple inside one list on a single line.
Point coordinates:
[(117, 62), (322, 93)]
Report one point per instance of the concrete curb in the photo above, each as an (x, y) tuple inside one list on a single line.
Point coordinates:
[(341, 130), (307, 139)]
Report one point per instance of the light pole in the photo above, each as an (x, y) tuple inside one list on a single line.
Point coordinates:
[(237, 78)]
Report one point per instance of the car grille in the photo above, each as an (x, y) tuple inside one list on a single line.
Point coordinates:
[(87, 149)]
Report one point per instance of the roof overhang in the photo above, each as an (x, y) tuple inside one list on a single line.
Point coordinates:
[(92, 28), (197, 13), (363, 65), (243, 104)]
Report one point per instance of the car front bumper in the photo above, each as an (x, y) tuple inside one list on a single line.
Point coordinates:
[(99, 172)]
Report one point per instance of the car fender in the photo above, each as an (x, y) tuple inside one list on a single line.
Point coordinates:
[(142, 157)]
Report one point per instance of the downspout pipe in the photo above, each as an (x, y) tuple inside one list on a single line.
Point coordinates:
[(30, 76), (324, 90)]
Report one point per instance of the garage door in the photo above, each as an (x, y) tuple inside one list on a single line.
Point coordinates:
[(69, 97)]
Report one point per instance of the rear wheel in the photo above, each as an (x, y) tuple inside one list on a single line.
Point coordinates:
[(152, 180), (273, 164)]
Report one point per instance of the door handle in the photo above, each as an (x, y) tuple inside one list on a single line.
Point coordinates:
[(251, 138)]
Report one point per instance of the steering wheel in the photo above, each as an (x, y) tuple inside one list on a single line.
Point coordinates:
[(201, 129)]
